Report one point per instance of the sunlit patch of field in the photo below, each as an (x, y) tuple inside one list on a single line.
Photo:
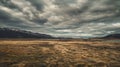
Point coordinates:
[(59, 53)]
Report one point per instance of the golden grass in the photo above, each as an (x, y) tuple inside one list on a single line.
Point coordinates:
[(59, 53)]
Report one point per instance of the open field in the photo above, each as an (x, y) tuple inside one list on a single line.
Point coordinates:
[(59, 53)]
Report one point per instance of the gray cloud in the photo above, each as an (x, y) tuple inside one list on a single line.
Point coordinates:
[(38, 4), (68, 18)]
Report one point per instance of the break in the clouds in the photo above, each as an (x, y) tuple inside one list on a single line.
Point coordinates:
[(65, 18)]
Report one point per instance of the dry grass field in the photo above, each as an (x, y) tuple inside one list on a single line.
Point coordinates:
[(59, 53)]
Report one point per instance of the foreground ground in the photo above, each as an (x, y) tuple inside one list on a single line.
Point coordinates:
[(59, 53)]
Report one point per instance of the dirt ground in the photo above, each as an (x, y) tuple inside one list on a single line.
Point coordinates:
[(59, 53)]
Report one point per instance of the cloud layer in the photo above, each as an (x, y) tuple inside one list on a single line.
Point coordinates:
[(65, 18)]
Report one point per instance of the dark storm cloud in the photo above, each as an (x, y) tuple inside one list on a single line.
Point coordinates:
[(5, 18), (9, 4), (40, 21), (9, 21), (37, 3), (69, 18), (87, 9)]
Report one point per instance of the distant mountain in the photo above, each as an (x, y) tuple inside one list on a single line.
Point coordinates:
[(14, 33), (112, 36)]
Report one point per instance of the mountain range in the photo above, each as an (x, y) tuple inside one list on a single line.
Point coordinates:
[(112, 36), (14, 33)]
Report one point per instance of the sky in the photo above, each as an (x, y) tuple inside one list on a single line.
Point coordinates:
[(62, 18)]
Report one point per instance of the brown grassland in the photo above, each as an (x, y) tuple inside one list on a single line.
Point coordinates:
[(59, 53)]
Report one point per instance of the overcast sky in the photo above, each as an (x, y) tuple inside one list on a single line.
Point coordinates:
[(65, 18)]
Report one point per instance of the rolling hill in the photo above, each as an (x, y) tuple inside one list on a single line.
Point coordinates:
[(112, 36), (13, 33)]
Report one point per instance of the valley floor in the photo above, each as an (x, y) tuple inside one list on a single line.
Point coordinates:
[(59, 53)]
